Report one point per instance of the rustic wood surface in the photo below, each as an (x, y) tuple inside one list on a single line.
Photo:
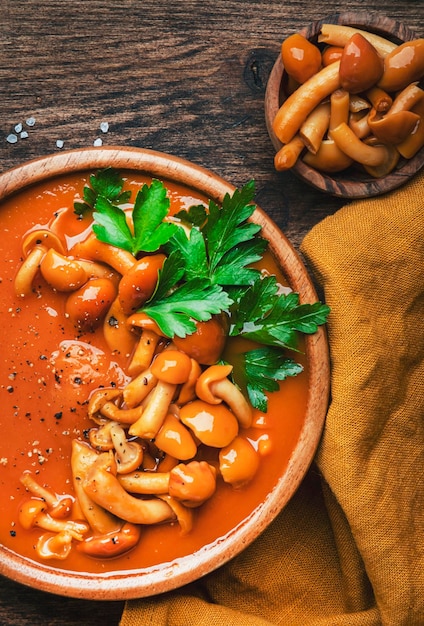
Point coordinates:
[(186, 77)]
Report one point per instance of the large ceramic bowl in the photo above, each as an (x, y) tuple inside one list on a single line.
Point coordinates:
[(352, 182), (130, 584)]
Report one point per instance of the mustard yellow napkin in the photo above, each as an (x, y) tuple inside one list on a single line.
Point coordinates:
[(348, 550)]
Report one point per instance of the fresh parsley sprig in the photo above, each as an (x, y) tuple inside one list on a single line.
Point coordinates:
[(208, 270), (260, 370), (275, 319), (106, 183)]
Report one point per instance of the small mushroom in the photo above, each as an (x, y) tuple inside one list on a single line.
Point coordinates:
[(111, 544), (192, 483), (35, 246), (83, 458), (123, 416), (128, 454), (172, 366), (212, 424), (183, 514), (155, 411), (146, 483), (54, 545), (59, 506), (238, 462), (139, 388), (61, 272), (105, 489), (175, 439), (32, 514), (144, 352), (96, 250), (98, 399), (101, 438), (213, 386), (119, 338), (187, 390)]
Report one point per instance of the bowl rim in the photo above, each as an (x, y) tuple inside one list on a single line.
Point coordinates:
[(129, 584), (341, 185)]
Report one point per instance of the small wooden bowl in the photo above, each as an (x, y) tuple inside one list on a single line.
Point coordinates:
[(141, 583), (351, 183)]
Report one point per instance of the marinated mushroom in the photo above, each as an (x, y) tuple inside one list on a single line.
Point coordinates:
[(192, 483), (175, 439), (139, 282), (212, 424), (238, 462), (111, 544), (35, 246), (83, 458), (32, 513), (152, 418), (213, 386), (128, 454), (54, 545), (87, 306), (61, 272), (105, 489), (59, 506)]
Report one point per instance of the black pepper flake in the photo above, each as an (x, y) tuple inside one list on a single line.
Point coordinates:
[(58, 415), (78, 380), (112, 321), (12, 533), (10, 389), (43, 357)]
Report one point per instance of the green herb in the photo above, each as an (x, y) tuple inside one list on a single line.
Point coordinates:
[(149, 232), (259, 371), (208, 270), (274, 319), (106, 183)]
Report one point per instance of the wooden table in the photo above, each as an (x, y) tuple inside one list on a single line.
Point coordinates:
[(186, 77)]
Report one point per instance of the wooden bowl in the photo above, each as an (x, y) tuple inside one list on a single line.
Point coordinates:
[(351, 183), (142, 583)]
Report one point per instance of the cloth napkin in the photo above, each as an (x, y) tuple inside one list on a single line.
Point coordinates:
[(348, 550)]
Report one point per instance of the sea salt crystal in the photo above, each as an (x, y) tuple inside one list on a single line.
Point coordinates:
[(30, 121), (104, 127), (18, 128), (24, 134), (98, 142), (59, 143), (12, 138)]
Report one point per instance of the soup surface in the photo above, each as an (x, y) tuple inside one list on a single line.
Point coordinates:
[(49, 370)]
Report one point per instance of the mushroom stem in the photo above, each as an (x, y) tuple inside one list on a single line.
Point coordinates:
[(105, 489), (111, 544), (148, 425), (59, 507), (82, 459)]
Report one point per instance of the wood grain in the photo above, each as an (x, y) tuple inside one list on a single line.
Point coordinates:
[(185, 77)]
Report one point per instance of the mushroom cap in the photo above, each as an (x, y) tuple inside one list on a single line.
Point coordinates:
[(213, 424)]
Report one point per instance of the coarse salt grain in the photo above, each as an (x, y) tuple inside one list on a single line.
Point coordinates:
[(59, 143), (97, 142), (24, 134), (12, 138), (104, 127), (18, 128), (30, 121)]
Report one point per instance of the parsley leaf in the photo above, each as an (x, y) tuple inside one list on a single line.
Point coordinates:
[(263, 367), (150, 208), (106, 183), (176, 311), (275, 319), (150, 231), (227, 228)]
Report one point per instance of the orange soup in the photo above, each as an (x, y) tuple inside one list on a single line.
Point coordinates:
[(50, 370)]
